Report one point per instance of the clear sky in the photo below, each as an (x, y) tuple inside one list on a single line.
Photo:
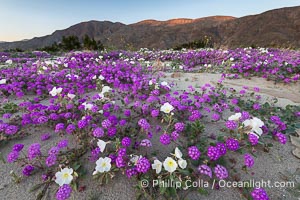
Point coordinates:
[(25, 19)]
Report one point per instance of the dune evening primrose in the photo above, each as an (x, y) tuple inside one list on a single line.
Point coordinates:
[(170, 164), (101, 144), (55, 91), (255, 125), (235, 117), (157, 165), (2, 81), (102, 165), (64, 176), (166, 108), (182, 163)]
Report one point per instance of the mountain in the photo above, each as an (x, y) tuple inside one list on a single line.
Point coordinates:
[(280, 27)]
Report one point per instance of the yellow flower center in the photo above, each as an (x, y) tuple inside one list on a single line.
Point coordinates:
[(103, 164), (170, 164), (65, 175)]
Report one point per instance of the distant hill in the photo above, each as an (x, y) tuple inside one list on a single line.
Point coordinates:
[(280, 27)]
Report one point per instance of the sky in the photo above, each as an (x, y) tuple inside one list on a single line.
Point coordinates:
[(25, 19)]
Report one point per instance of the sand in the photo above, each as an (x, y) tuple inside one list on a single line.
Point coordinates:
[(268, 166)]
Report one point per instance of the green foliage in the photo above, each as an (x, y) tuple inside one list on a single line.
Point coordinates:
[(9, 108), (71, 42), (53, 48), (92, 44), (204, 42)]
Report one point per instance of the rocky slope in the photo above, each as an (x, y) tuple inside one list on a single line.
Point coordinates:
[(279, 27)]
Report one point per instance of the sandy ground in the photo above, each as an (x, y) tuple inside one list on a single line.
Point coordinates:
[(268, 165)]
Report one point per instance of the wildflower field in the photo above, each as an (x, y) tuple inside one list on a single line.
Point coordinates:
[(150, 124)]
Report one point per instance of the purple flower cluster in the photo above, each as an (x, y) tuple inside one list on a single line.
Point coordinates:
[(34, 150), (144, 124), (248, 160), (281, 138), (194, 152), (204, 169), (98, 132), (232, 144), (143, 165), (12, 156), (64, 192), (126, 141), (11, 130), (221, 172), (179, 127), (131, 172), (259, 194), (27, 170), (253, 139), (213, 153), (231, 125), (165, 139)]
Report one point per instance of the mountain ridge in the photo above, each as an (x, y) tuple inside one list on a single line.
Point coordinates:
[(275, 27)]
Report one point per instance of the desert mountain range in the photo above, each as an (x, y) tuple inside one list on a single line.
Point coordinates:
[(279, 27)]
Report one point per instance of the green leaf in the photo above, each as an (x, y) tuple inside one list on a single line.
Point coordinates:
[(35, 187), (203, 191)]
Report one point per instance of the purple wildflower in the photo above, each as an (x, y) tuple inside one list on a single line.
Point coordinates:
[(64, 192), (106, 123), (146, 143), (253, 139), (45, 136), (62, 144), (94, 154), (221, 172), (120, 162), (194, 152), (155, 113), (12, 156), (11, 130), (179, 127), (59, 127), (175, 135), (70, 128), (259, 194), (18, 147), (127, 113), (281, 138), (256, 106), (215, 117), (51, 160), (165, 139), (27, 170), (204, 169), (143, 165), (213, 153), (230, 124), (82, 123), (98, 132), (111, 131), (126, 141), (131, 172), (53, 151), (144, 124), (232, 144), (221, 148), (248, 160), (34, 150)]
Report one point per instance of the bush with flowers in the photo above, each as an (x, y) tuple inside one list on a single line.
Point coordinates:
[(116, 108)]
